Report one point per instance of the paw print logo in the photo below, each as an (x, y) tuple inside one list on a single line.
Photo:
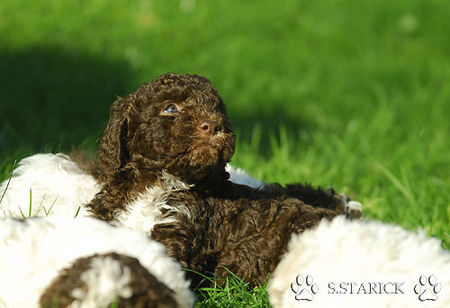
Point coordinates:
[(304, 288), (427, 288)]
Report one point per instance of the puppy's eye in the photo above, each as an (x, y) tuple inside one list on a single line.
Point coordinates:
[(171, 109)]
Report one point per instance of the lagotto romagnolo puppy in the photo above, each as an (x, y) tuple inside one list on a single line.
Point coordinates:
[(373, 265), (162, 164), (162, 170), (84, 262)]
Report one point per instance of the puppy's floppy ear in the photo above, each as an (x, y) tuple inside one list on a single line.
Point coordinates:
[(113, 149)]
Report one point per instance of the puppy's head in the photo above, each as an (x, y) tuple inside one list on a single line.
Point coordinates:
[(177, 124)]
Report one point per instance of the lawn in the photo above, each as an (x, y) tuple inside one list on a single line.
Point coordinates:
[(350, 94)]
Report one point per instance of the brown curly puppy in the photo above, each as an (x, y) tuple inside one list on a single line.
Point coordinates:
[(162, 164), (140, 288)]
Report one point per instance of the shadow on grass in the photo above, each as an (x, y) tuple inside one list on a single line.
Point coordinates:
[(55, 97)]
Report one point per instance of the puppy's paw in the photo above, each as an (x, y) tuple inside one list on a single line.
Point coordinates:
[(350, 208)]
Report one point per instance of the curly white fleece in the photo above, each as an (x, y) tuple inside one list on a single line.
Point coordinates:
[(34, 251), (360, 252), (47, 184)]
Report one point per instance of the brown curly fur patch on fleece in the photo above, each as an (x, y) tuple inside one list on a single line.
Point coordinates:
[(144, 289)]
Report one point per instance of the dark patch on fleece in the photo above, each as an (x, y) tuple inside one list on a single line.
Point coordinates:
[(147, 290)]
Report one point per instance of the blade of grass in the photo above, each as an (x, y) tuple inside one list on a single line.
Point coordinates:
[(31, 202), (51, 207), (396, 182), (40, 205), (23, 215), (78, 211), (9, 181)]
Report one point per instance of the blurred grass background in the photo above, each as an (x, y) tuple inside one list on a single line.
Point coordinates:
[(353, 94)]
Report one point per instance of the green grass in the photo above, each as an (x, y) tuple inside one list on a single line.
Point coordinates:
[(350, 94), (233, 293)]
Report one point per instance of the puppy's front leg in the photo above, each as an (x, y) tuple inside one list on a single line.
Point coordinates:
[(108, 202), (185, 242), (318, 197)]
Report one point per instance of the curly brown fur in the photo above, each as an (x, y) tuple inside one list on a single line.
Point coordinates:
[(146, 290), (243, 234), (226, 225)]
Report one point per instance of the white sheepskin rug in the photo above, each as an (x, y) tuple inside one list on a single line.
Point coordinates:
[(33, 252), (47, 185), (362, 264)]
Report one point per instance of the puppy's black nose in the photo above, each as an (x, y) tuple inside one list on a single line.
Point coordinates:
[(210, 127)]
